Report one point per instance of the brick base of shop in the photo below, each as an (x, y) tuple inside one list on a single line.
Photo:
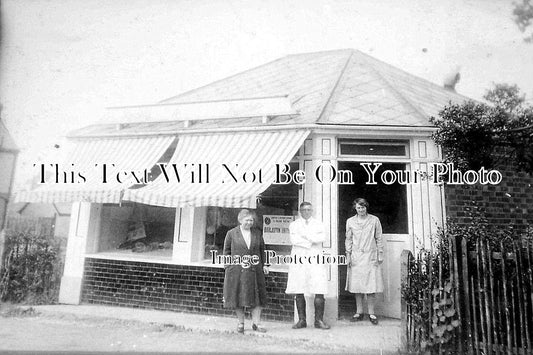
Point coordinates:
[(194, 289)]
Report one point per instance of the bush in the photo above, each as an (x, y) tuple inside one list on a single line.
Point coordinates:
[(32, 268), (429, 294), (500, 135)]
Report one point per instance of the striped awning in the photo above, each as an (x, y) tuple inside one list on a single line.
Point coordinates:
[(87, 158), (208, 165)]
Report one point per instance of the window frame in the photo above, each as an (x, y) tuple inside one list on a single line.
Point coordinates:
[(378, 142)]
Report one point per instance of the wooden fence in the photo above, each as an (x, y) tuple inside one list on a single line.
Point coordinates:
[(469, 297)]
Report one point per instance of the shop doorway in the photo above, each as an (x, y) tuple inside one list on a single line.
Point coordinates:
[(389, 204)]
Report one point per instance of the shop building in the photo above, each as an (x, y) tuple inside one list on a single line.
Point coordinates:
[(138, 237)]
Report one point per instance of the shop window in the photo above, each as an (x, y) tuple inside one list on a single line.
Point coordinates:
[(219, 221), (275, 203), (137, 228), (276, 207)]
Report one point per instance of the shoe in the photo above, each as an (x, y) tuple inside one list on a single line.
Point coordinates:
[(300, 324), (356, 317), (240, 328), (320, 303), (300, 307), (258, 328), (321, 325), (373, 319)]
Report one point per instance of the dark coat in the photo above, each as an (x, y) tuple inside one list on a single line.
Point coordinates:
[(244, 287)]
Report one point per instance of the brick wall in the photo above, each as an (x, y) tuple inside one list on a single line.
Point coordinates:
[(172, 287), (508, 203)]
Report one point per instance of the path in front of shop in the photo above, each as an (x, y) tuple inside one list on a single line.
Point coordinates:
[(362, 337)]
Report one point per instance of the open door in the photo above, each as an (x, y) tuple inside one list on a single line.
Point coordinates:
[(389, 204)]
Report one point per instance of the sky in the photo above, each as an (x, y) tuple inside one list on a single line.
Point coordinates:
[(62, 62)]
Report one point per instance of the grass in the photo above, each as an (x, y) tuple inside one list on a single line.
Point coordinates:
[(12, 310)]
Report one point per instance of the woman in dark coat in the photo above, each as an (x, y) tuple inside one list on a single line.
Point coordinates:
[(244, 280)]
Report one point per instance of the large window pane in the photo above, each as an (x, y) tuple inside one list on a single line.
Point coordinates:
[(137, 228)]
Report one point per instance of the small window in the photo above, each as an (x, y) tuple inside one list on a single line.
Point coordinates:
[(375, 148)]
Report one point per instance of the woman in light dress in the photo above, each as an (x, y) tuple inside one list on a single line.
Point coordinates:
[(364, 252)]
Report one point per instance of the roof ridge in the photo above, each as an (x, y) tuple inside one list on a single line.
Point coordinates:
[(334, 89), (371, 58), (222, 79), (321, 52), (398, 94)]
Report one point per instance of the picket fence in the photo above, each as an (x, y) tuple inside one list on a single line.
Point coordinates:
[(473, 297)]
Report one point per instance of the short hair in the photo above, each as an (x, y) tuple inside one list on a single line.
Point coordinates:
[(243, 214), (305, 203), (361, 201)]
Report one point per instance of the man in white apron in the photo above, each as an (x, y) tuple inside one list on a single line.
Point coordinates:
[(306, 274)]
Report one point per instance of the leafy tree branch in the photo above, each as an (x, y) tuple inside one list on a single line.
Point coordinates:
[(474, 135), (523, 17)]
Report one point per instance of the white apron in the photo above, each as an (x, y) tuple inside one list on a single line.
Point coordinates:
[(307, 277)]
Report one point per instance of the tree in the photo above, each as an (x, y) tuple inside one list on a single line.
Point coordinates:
[(475, 135), (505, 96), (523, 16)]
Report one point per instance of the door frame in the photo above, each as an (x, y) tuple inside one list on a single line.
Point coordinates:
[(406, 238)]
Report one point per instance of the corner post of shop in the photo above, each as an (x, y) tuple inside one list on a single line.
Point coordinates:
[(82, 239)]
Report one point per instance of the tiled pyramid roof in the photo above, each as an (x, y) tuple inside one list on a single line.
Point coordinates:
[(336, 87), (357, 89)]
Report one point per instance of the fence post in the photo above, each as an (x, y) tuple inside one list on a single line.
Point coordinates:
[(405, 328), (466, 300), (454, 276)]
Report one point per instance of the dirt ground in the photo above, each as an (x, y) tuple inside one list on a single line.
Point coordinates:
[(30, 331)]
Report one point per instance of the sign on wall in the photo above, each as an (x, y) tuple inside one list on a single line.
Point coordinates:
[(276, 229)]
